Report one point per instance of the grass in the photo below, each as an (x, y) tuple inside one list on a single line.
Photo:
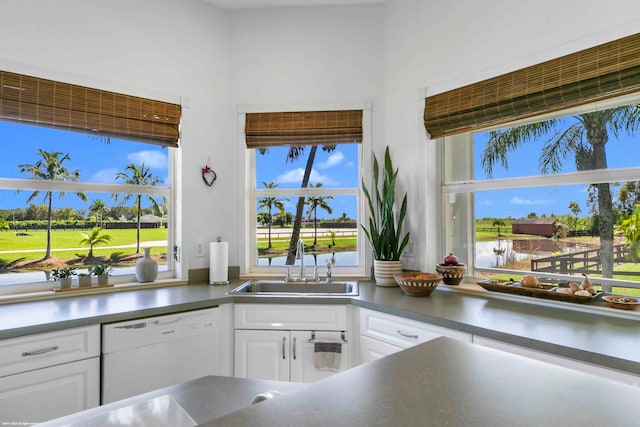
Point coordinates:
[(35, 241), (281, 245)]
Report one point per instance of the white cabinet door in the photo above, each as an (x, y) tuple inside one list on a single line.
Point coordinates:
[(47, 393), (371, 349), (262, 354), (303, 355)]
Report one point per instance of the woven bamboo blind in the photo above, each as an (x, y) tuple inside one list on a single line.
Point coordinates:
[(597, 73), (303, 128), (44, 102)]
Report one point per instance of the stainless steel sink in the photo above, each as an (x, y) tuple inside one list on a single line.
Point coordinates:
[(280, 287)]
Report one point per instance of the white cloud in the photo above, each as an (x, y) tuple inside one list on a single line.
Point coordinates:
[(105, 175), (151, 159), (485, 203), (529, 202), (333, 160), (295, 176)]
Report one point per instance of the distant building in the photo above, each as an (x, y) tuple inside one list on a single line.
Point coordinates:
[(537, 226)]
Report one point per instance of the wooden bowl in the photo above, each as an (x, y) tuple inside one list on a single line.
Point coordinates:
[(621, 302), (417, 284), (451, 274)]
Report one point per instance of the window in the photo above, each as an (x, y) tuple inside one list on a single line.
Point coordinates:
[(80, 179), (307, 190), (547, 183), (538, 196)]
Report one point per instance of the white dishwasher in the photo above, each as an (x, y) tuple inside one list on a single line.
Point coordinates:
[(146, 354)]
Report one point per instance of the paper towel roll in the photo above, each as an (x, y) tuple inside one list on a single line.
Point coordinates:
[(218, 263)]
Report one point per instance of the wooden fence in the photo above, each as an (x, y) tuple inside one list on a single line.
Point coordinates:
[(587, 262)]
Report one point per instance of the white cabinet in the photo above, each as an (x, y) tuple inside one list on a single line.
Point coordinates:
[(587, 368), (277, 342), (45, 376), (382, 334)]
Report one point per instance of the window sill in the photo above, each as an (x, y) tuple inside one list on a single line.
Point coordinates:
[(469, 286), (94, 290)]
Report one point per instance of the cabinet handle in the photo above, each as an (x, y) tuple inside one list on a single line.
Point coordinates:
[(406, 335), (284, 343), (41, 351), (294, 348)]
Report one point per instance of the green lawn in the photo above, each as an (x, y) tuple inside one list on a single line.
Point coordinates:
[(323, 242), (62, 239)]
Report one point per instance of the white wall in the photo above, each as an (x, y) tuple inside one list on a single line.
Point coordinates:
[(443, 44), (216, 60), (167, 49), (306, 58)]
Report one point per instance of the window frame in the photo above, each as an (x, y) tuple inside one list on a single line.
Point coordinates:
[(247, 157), (469, 186), (168, 190)]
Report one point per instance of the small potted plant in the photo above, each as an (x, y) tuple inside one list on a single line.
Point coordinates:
[(102, 271), (84, 279), (63, 275)]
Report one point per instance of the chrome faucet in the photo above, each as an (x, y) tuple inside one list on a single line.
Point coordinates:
[(329, 278), (300, 256)]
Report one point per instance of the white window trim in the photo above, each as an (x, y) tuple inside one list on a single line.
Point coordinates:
[(248, 252)]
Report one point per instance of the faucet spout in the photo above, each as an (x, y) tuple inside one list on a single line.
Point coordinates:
[(300, 256)]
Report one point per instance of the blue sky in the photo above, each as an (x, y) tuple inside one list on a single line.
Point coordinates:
[(621, 153), (97, 161), (338, 168)]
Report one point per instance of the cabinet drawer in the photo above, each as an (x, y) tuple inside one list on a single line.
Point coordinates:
[(291, 317), (402, 332), (52, 348)]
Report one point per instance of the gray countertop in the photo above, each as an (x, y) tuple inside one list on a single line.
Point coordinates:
[(607, 341), (448, 383)]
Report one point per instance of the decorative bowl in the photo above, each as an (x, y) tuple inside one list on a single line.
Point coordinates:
[(417, 284), (621, 302), (451, 274)]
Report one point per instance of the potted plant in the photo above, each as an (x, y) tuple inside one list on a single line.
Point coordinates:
[(385, 227), (63, 275), (102, 271), (84, 279)]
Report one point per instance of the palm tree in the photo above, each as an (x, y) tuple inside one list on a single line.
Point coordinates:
[(294, 153), (98, 208), (138, 175), (585, 138), (315, 203), (50, 167), (498, 222), (269, 203), (93, 239)]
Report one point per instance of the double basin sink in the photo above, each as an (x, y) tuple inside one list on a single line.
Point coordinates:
[(297, 288)]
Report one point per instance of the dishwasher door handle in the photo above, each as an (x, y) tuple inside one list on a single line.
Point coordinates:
[(167, 321)]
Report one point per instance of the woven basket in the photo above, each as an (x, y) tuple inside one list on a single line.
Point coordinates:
[(418, 284), (451, 274)]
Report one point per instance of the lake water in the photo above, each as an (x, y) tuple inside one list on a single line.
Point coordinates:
[(520, 250), (342, 259)]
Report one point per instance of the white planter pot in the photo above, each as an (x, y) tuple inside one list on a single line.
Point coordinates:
[(65, 282), (383, 272), (103, 279), (84, 281)]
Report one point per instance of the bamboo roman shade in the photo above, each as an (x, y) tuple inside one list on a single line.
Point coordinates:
[(303, 128), (597, 73), (37, 101)]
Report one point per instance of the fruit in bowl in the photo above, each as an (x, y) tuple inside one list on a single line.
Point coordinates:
[(451, 270)]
